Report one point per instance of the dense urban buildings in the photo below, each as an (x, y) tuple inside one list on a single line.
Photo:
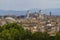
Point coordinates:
[(34, 22)]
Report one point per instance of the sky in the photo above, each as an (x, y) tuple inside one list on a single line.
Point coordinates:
[(28, 4)]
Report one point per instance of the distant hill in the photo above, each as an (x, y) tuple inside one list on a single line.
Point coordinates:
[(55, 11), (12, 12)]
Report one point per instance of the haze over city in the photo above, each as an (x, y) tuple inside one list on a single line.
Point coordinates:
[(22, 5)]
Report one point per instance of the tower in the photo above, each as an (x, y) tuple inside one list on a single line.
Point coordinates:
[(50, 13), (40, 15), (27, 14)]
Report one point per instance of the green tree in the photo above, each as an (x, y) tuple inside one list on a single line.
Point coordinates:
[(45, 36), (27, 35), (57, 37), (37, 36), (11, 31), (51, 38), (5, 35)]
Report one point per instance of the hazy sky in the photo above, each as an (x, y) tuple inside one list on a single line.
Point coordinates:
[(28, 4)]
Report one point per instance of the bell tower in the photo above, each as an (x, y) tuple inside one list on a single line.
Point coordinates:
[(27, 14), (50, 13), (41, 15)]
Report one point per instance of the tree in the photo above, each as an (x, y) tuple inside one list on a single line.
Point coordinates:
[(51, 38), (27, 35), (37, 36), (11, 31), (57, 37), (45, 36)]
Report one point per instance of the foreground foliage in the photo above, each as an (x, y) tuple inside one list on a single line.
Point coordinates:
[(13, 31)]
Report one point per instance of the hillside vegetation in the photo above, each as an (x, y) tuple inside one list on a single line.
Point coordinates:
[(14, 31)]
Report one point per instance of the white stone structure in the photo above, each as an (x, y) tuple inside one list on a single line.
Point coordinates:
[(10, 19), (42, 29)]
